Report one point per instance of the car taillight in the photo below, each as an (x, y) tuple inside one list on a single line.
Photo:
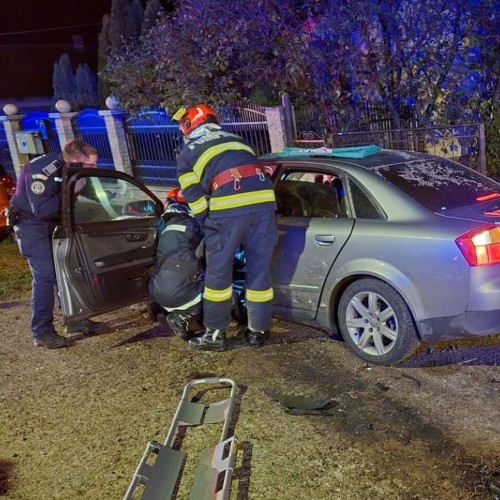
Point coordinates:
[(481, 247)]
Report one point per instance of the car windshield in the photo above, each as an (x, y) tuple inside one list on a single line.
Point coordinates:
[(440, 184)]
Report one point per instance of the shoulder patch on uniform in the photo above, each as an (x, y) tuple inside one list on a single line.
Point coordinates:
[(51, 167), (39, 176), (38, 187)]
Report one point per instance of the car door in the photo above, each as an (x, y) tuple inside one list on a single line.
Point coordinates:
[(104, 248), (313, 227)]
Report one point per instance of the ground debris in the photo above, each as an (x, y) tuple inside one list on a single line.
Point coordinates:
[(298, 405)]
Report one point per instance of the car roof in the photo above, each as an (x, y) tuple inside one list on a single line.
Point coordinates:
[(369, 156)]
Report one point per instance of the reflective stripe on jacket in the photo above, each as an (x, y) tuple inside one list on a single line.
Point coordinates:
[(208, 151)]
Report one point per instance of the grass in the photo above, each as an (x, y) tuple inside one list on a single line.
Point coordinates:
[(15, 276)]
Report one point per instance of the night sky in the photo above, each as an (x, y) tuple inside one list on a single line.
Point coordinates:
[(27, 59)]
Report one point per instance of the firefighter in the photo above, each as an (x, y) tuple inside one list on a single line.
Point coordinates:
[(37, 203), (233, 200), (176, 283)]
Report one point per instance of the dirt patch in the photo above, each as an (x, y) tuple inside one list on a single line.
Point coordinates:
[(75, 422)]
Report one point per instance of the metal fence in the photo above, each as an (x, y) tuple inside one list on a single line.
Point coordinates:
[(90, 127), (462, 143), (365, 123), (154, 140)]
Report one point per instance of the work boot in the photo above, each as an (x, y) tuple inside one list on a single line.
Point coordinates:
[(153, 309), (179, 321), (211, 340), (50, 341), (85, 326), (256, 338)]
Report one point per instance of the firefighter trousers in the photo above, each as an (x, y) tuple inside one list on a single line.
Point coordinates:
[(256, 233)]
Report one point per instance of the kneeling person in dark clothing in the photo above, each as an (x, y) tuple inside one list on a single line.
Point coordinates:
[(176, 283)]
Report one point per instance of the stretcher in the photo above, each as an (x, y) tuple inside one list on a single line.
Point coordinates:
[(158, 474)]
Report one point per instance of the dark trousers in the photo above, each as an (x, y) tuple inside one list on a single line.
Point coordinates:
[(36, 245), (256, 233)]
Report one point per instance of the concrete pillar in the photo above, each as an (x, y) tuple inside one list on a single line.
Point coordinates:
[(64, 127), (276, 126), (12, 124), (113, 119), (63, 122)]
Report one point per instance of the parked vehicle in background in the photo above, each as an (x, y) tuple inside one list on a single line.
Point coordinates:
[(389, 248), (7, 189)]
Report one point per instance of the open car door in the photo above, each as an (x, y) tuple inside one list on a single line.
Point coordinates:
[(105, 246)]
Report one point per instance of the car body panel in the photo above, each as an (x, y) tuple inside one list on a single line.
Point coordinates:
[(306, 250), (103, 264)]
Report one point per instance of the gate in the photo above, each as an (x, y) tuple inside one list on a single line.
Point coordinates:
[(154, 141), (248, 121), (90, 127)]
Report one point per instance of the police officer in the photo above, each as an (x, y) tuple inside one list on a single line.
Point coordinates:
[(37, 202), (233, 200), (176, 282)]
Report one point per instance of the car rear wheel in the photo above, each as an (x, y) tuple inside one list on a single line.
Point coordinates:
[(376, 323)]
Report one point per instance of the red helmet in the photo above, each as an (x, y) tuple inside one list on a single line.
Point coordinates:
[(194, 117), (176, 195)]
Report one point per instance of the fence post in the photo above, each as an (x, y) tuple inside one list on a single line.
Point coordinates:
[(288, 119), (114, 120), (276, 128), (12, 124), (482, 149), (63, 122)]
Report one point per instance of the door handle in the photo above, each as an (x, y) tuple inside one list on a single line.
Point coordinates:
[(136, 237), (324, 240)]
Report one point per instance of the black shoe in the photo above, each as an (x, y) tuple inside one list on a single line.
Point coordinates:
[(180, 321), (256, 338), (211, 340), (153, 309), (162, 319), (85, 326), (50, 341)]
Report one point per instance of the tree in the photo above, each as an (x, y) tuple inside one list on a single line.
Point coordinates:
[(86, 87), (103, 52), (154, 11), (214, 51), (136, 18), (120, 27), (63, 81)]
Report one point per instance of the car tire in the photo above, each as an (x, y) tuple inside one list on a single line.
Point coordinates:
[(380, 339)]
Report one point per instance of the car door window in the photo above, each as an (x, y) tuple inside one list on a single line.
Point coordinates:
[(310, 194), (101, 199), (364, 208)]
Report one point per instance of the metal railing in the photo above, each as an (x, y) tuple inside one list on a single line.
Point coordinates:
[(154, 140), (90, 127), (462, 143)]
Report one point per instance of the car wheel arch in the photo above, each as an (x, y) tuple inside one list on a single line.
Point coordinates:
[(407, 336), (395, 279)]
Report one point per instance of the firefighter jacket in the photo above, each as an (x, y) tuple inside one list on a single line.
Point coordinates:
[(37, 199), (177, 278), (209, 151)]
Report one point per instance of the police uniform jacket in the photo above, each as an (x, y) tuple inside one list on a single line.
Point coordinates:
[(209, 151), (177, 276), (38, 196)]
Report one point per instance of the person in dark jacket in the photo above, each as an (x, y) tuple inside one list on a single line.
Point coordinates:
[(233, 200), (176, 283), (37, 202)]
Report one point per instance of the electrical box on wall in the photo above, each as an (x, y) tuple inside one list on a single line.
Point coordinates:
[(29, 143)]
